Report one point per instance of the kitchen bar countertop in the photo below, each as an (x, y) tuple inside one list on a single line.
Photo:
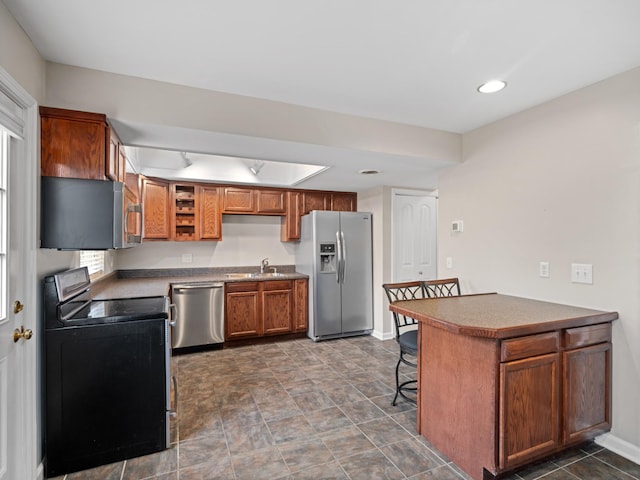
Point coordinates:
[(149, 283), (498, 316)]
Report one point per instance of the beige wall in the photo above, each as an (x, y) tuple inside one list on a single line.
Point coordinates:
[(372, 200), (558, 183), (146, 101), (19, 57), (246, 239)]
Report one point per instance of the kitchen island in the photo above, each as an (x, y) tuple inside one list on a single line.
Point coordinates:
[(504, 381)]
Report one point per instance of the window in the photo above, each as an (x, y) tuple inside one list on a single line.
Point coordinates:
[(94, 261)]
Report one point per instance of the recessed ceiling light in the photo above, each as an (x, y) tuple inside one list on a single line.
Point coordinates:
[(492, 86), (368, 172)]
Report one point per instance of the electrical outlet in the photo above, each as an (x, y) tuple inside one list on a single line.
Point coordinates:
[(543, 269), (187, 258), (582, 273)]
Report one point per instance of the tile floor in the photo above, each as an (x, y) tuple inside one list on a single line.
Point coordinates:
[(303, 410)]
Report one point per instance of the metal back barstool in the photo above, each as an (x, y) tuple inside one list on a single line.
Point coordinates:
[(406, 332), (446, 287)]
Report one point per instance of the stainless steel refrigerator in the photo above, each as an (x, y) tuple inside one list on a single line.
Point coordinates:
[(335, 252)]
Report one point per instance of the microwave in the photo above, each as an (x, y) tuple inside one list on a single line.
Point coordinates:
[(80, 214)]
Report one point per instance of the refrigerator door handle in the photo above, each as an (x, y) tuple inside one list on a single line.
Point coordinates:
[(339, 259), (343, 247)]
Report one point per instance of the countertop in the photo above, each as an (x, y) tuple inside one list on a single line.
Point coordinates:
[(498, 316), (149, 283)]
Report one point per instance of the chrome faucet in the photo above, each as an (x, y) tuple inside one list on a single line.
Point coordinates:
[(264, 265)]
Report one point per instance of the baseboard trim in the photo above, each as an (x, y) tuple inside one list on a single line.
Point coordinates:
[(381, 335), (619, 446)]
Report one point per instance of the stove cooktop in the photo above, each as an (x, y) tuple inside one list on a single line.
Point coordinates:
[(114, 310)]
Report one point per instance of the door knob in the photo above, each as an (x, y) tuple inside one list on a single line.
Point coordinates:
[(22, 333), (17, 306)]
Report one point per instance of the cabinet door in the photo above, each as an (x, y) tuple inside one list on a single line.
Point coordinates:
[(290, 227), (344, 202), (587, 392), (210, 215), (270, 202), (301, 301), (122, 163), (111, 167), (315, 201), (156, 209), (529, 409), (73, 144), (238, 200), (277, 307), (242, 310)]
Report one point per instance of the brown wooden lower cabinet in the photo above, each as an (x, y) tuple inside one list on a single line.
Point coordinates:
[(274, 307), (242, 310), (586, 392), (277, 307), (543, 395), (301, 302), (505, 381), (529, 408)]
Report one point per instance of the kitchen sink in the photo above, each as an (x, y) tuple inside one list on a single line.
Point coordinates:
[(254, 275)]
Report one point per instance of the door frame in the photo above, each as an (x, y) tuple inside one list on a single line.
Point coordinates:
[(415, 193), (27, 358)]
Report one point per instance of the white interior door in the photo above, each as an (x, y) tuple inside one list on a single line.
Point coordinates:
[(18, 410), (414, 227)]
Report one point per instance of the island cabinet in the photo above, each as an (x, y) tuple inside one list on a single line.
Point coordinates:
[(273, 307), (504, 381)]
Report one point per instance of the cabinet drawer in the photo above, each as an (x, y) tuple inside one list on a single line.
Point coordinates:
[(242, 286), (277, 285), (529, 346), (583, 336)]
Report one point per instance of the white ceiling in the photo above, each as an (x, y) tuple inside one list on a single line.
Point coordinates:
[(416, 62)]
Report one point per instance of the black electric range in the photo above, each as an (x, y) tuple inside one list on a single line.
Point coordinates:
[(106, 375)]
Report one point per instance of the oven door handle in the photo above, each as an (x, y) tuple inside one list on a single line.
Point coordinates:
[(173, 313)]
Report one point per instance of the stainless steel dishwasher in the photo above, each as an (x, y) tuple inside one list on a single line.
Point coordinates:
[(200, 312)]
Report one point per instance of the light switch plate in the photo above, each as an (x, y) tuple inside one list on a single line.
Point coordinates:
[(449, 261), (544, 269), (582, 273)]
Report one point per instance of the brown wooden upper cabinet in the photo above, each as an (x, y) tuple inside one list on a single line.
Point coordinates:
[(271, 202), (209, 213), (181, 211), (315, 201), (238, 200), (253, 201), (73, 144), (290, 223), (77, 144), (156, 209), (344, 202)]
